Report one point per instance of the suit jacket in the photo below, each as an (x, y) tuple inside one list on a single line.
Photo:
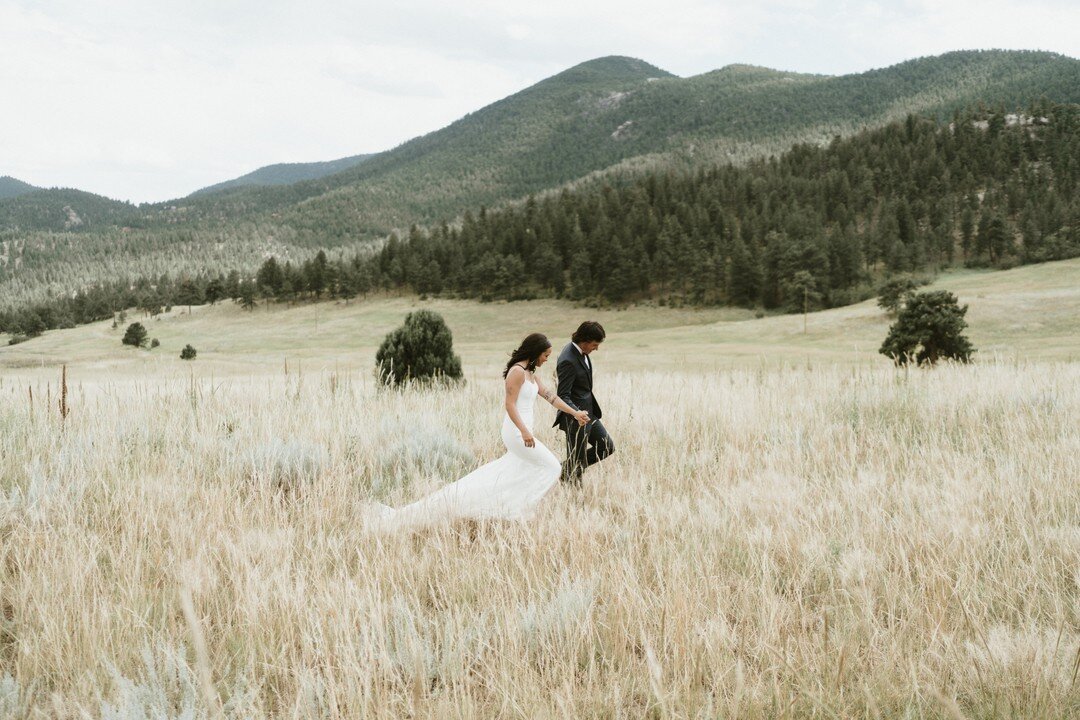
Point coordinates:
[(575, 385)]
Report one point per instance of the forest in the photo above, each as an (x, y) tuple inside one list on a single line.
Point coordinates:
[(814, 227)]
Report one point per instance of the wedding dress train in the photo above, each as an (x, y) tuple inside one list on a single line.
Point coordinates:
[(507, 488)]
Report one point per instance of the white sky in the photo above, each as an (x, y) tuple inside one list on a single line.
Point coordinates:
[(146, 100)]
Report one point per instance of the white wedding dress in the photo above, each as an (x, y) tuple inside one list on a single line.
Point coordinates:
[(508, 488)]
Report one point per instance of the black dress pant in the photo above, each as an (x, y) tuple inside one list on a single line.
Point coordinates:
[(585, 445)]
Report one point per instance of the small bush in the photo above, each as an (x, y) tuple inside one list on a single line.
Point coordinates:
[(135, 335), (154, 343), (414, 449), (286, 466), (421, 349), (188, 353)]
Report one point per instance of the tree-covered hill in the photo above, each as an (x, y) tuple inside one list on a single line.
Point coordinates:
[(814, 227), (63, 209), (286, 174), (13, 187), (616, 111), (818, 226), (607, 120), (446, 171)]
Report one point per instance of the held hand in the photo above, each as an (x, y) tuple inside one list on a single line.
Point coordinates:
[(530, 441), (582, 417)]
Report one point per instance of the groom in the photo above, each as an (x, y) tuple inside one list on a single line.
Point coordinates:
[(585, 444)]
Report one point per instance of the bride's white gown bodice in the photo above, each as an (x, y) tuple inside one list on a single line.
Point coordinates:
[(526, 401), (509, 487)]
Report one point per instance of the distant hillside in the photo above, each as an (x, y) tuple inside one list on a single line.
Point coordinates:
[(63, 209), (286, 174), (467, 163), (11, 187), (814, 227), (623, 113), (605, 120)]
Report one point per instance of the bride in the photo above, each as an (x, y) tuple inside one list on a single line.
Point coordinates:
[(508, 488)]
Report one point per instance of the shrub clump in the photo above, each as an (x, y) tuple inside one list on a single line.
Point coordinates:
[(929, 328), (135, 335), (286, 466), (188, 353), (420, 350)]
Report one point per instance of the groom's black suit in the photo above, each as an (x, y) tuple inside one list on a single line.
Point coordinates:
[(584, 445)]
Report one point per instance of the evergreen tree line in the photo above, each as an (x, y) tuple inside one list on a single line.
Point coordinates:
[(818, 223), (816, 226), (315, 278)]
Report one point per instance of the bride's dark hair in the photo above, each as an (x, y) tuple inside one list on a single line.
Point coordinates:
[(531, 348)]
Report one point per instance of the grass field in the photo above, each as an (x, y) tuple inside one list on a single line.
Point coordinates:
[(790, 527), (1032, 312)]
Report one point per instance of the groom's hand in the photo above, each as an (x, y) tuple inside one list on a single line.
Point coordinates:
[(582, 418)]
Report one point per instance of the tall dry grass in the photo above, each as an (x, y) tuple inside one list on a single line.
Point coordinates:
[(791, 543)]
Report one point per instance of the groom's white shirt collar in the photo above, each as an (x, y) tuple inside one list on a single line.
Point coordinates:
[(583, 355)]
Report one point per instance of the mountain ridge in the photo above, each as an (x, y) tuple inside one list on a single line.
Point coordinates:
[(286, 173), (13, 187), (597, 121)]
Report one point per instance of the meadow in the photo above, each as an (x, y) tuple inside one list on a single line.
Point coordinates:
[(790, 527)]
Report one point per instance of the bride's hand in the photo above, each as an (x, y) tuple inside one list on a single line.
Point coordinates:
[(582, 417), (530, 441)]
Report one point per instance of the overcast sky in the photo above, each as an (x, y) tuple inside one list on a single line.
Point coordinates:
[(146, 100)]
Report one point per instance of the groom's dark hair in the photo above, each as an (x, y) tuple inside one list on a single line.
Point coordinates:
[(589, 331)]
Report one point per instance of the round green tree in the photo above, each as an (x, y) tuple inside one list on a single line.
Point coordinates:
[(929, 328), (421, 349), (188, 353), (135, 335)]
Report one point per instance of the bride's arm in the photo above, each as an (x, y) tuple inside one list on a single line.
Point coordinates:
[(514, 380), (552, 397)]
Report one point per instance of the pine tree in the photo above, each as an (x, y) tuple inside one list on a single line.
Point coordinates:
[(247, 296), (188, 294), (419, 350), (967, 230), (315, 274), (581, 286), (215, 290), (270, 277), (928, 329), (135, 335), (744, 277)]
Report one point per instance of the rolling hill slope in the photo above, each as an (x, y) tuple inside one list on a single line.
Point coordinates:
[(63, 210), (623, 112), (286, 174), (613, 112), (335, 336), (602, 119), (13, 187)]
